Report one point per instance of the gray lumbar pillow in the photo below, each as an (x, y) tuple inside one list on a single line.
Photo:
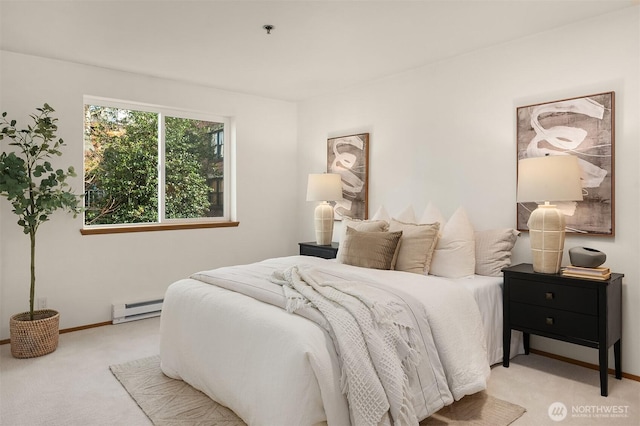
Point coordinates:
[(586, 257)]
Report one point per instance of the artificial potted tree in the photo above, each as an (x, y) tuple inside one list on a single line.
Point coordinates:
[(35, 190)]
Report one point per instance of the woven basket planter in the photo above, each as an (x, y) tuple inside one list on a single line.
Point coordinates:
[(30, 339)]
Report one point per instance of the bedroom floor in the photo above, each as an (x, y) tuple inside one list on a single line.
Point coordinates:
[(73, 385)]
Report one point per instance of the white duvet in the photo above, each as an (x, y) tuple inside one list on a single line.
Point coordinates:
[(275, 368)]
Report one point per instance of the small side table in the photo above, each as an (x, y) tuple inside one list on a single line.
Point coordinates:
[(581, 311), (313, 249)]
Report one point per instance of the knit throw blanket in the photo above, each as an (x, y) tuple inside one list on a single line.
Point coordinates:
[(376, 347)]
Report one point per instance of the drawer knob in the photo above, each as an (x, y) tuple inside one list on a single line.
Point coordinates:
[(549, 321), (548, 295)]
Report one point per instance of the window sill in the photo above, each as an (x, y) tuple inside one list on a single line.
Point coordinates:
[(156, 227)]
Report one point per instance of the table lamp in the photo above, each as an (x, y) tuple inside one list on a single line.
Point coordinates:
[(548, 179), (324, 187)]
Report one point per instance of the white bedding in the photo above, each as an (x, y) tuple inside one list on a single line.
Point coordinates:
[(272, 367), (487, 292)]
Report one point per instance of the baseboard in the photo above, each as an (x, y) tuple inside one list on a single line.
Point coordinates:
[(69, 330), (581, 363)]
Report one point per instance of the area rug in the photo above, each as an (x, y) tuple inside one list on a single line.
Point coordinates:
[(169, 402)]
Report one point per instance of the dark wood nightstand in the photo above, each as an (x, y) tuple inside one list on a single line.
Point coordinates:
[(313, 249), (576, 310)]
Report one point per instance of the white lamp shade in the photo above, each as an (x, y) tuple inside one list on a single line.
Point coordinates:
[(549, 178), (324, 187)]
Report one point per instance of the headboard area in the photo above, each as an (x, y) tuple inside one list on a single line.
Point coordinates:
[(447, 247)]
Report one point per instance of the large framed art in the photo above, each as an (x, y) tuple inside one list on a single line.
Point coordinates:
[(348, 156), (583, 127)]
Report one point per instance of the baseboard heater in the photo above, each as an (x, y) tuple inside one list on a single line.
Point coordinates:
[(125, 312)]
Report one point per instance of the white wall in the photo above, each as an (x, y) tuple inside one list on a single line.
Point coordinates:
[(446, 133), (82, 275)]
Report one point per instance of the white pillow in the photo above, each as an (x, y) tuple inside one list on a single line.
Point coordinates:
[(381, 214), (493, 250), (454, 256), (407, 216), (432, 215)]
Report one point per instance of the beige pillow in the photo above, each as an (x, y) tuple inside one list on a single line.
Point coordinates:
[(362, 225), (493, 250), (416, 245), (375, 250), (455, 256)]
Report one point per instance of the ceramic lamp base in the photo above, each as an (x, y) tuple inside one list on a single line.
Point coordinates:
[(323, 218), (546, 233)]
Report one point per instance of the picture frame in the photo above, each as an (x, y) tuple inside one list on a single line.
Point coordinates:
[(585, 127), (348, 156)]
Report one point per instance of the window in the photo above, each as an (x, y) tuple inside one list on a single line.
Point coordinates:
[(149, 165)]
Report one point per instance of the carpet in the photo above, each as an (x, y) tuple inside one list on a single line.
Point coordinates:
[(169, 402)]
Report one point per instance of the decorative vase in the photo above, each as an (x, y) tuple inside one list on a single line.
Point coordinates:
[(586, 257), (37, 337)]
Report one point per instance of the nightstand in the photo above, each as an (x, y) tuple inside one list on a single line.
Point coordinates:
[(575, 310), (314, 249)]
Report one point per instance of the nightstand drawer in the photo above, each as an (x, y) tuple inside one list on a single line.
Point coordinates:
[(554, 321), (569, 298)]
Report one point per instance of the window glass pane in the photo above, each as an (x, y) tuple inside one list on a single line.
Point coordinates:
[(194, 168), (120, 166)]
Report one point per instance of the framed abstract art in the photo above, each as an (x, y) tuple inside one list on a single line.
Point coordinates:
[(583, 127), (348, 156)]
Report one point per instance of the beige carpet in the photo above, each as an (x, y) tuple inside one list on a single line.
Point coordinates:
[(169, 402)]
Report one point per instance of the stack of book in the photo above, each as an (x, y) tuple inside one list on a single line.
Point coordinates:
[(600, 273)]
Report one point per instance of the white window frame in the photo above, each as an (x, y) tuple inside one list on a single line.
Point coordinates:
[(177, 113)]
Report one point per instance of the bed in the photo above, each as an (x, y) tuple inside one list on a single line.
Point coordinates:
[(271, 340), (271, 367)]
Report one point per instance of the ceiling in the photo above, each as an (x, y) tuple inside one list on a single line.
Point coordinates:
[(316, 47)]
